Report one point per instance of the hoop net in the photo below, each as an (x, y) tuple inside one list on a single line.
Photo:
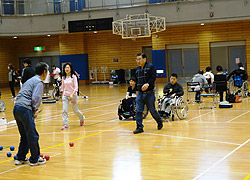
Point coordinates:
[(138, 26)]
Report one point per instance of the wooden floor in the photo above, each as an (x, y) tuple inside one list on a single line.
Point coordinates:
[(208, 144)]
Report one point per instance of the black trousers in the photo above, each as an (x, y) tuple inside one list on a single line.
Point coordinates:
[(12, 84)]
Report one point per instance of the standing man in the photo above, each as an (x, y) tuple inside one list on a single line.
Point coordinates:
[(55, 73), (25, 110), (145, 78), (28, 71)]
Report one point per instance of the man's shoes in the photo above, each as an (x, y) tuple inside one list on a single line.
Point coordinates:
[(160, 125), (19, 162), (40, 161), (138, 130), (65, 127)]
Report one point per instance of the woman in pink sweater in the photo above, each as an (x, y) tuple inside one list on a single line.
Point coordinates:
[(69, 89)]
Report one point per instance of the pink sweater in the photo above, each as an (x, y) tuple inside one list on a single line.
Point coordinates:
[(69, 85)]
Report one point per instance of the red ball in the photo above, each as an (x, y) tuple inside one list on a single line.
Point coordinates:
[(71, 144), (47, 157), (41, 155)]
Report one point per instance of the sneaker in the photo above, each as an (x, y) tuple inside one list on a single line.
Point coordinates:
[(65, 127), (12, 97), (138, 130), (40, 161), (81, 123), (160, 125), (19, 162)]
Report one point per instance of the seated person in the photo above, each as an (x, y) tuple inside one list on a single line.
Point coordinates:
[(130, 96), (209, 77), (171, 89), (200, 79), (220, 77), (239, 75)]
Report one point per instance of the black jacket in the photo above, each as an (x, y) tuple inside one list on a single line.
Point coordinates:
[(28, 73), (144, 75), (239, 72), (177, 89)]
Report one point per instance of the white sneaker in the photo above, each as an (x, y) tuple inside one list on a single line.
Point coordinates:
[(40, 161), (19, 162)]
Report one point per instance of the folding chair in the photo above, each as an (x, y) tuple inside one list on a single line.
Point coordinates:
[(209, 95), (192, 88)]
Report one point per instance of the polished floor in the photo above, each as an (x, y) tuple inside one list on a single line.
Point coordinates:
[(210, 144)]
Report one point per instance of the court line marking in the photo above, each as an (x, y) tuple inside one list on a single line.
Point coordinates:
[(20, 166), (55, 116), (198, 116), (61, 144), (247, 178), (219, 161), (197, 139), (238, 116)]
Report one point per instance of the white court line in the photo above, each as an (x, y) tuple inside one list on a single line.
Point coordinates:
[(196, 139), (198, 116), (217, 122), (56, 116), (222, 159), (24, 165), (238, 116)]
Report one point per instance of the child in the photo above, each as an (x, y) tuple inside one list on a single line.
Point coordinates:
[(171, 89), (130, 96), (69, 89), (25, 110)]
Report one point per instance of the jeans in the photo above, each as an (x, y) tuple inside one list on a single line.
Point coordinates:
[(29, 136), (149, 100), (65, 100)]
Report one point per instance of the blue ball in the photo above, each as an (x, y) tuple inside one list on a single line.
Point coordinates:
[(9, 154), (12, 148), (15, 157), (1, 148)]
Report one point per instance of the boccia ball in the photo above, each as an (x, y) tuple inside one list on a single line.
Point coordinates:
[(15, 157), (1, 148), (41, 155), (71, 144), (12, 148), (9, 154), (187, 100), (47, 157)]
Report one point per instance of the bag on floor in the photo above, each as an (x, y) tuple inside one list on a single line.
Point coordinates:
[(230, 98)]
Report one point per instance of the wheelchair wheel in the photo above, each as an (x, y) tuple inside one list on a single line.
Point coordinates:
[(181, 108), (145, 112), (55, 94), (245, 90), (2, 106)]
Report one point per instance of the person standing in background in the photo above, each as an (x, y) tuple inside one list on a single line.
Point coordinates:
[(12, 78), (28, 71)]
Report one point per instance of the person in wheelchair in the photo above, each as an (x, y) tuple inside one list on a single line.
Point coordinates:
[(239, 75), (129, 99), (171, 90)]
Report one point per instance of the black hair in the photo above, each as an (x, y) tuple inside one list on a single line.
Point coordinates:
[(219, 68), (41, 67), (174, 75), (133, 79), (208, 69), (143, 55), (71, 70), (240, 65), (11, 66), (200, 72), (27, 60), (54, 66)]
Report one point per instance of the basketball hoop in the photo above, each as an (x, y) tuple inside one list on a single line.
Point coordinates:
[(138, 26)]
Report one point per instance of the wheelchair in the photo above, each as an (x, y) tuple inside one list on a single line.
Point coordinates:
[(56, 91), (132, 111), (179, 107), (2, 104), (238, 86)]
